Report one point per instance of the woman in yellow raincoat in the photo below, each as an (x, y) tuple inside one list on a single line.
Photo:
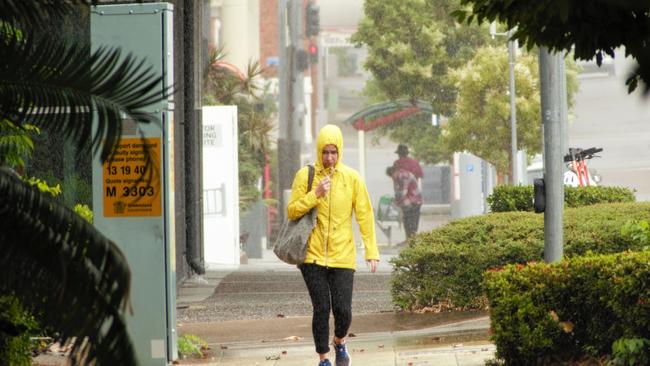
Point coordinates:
[(330, 262)]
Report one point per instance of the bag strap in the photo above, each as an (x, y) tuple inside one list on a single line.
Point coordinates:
[(310, 180)]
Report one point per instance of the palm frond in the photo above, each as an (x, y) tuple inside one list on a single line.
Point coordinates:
[(59, 86), (52, 259), (37, 13), (250, 85)]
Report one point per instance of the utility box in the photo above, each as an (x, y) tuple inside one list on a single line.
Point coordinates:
[(138, 215)]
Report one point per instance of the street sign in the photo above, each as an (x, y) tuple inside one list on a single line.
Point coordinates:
[(132, 181)]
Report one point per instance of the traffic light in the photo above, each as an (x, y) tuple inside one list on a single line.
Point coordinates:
[(312, 17), (313, 53)]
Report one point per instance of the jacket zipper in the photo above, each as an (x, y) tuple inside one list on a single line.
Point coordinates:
[(329, 219)]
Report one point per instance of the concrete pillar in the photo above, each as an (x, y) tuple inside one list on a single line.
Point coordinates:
[(235, 31), (254, 30)]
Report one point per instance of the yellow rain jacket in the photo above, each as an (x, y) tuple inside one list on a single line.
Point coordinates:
[(331, 244)]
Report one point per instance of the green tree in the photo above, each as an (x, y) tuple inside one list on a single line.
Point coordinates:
[(481, 124), (412, 44), (590, 28), (61, 269)]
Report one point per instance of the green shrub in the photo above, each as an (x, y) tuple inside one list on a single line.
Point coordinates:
[(190, 345), (520, 198), (16, 324), (637, 231), (444, 267), (507, 198), (631, 352), (543, 314), (584, 196)]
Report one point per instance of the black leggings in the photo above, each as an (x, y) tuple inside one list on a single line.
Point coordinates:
[(329, 284)]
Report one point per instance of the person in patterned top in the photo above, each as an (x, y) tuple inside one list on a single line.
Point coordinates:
[(408, 163), (407, 197)]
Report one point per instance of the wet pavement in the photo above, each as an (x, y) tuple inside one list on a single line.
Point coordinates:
[(458, 343), (260, 314), (268, 294)]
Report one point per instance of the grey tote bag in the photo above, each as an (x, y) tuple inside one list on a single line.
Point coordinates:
[(291, 245)]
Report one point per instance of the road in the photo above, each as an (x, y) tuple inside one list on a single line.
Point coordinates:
[(606, 116)]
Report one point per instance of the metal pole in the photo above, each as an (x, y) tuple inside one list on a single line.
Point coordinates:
[(285, 176), (512, 46), (289, 24), (193, 132), (550, 75), (297, 77), (564, 111)]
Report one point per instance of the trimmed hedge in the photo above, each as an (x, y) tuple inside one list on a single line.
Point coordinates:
[(507, 198), (444, 268), (545, 314)]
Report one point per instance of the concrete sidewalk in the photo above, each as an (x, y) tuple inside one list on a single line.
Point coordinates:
[(458, 343), (259, 313), (379, 338)]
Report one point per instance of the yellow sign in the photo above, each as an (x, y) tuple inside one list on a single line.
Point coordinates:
[(132, 185)]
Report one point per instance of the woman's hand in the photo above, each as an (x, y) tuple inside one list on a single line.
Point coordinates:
[(373, 264), (323, 187)]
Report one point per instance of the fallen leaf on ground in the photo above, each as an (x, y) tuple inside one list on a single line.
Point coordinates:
[(292, 338), (280, 315)]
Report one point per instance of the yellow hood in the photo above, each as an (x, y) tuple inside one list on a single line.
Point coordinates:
[(328, 135)]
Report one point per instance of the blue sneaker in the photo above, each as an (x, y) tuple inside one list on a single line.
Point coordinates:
[(342, 355), (325, 362)]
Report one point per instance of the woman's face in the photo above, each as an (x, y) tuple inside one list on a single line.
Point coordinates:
[(330, 156)]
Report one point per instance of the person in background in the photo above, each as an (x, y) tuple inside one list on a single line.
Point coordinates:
[(407, 198), (407, 163), (413, 166), (570, 176), (330, 263)]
